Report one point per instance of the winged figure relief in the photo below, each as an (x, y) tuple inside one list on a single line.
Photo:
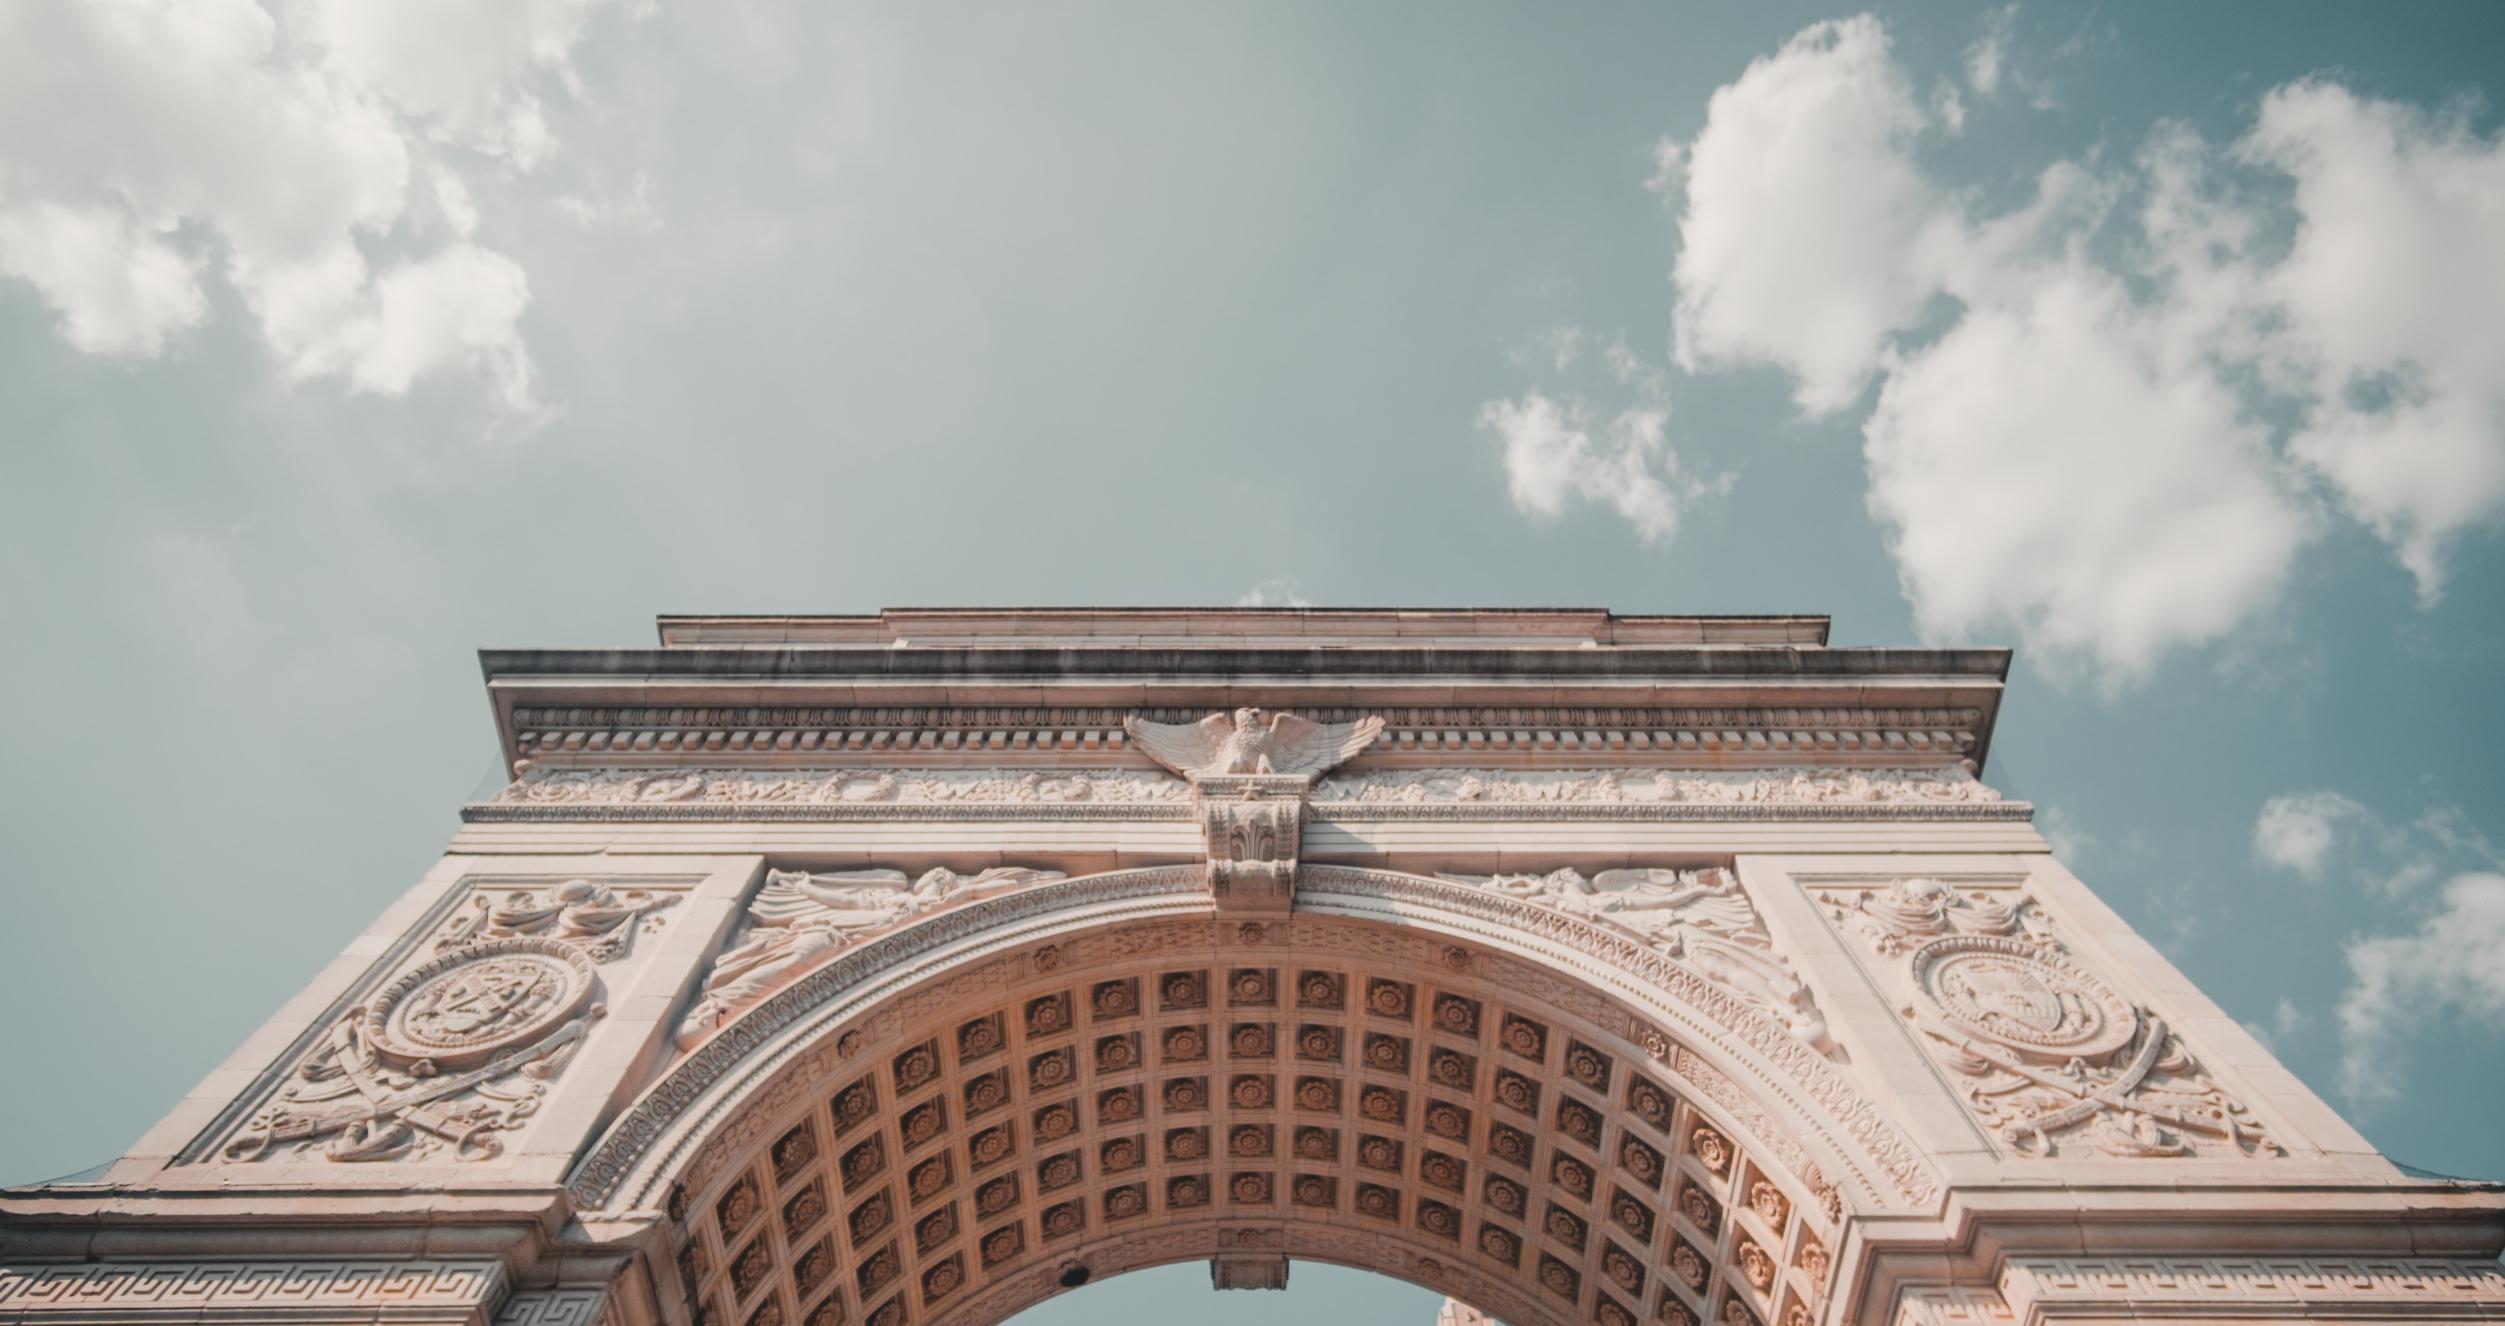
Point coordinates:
[(1251, 741)]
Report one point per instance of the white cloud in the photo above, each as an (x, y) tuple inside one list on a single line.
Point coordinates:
[(463, 68), (2297, 831), (2286, 1019), (2453, 963), (2393, 292), (1276, 592), (2063, 834), (145, 142), (2313, 833), (2082, 431), (119, 287), (1553, 455), (1988, 57), (1808, 234), (2042, 466)]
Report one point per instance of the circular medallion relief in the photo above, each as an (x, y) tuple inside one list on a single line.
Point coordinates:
[(2022, 996), (465, 1008)]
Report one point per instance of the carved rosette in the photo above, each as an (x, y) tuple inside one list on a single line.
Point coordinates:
[(2045, 1054), (469, 1006)]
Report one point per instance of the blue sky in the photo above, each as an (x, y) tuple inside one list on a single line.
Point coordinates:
[(2159, 341)]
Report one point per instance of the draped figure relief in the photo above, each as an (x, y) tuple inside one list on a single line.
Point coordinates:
[(1700, 917), (799, 918)]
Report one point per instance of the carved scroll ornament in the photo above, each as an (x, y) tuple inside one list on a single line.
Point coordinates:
[(2046, 1052), (461, 1047)]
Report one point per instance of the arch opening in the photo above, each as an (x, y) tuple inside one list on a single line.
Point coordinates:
[(1326, 1088)]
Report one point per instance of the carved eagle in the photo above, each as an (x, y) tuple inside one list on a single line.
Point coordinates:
[(1251, 741)]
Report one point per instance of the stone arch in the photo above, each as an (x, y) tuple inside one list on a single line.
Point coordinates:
[(1097, 1075)]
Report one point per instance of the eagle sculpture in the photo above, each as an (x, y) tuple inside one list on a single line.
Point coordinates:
[(1251, 741)]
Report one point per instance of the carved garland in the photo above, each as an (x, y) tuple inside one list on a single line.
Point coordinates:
[(460, 1047), (706, 794), (2044, 1054)]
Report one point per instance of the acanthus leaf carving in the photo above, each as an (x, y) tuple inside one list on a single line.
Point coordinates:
[(799, 919), (2047, 1051), (1252, 827)]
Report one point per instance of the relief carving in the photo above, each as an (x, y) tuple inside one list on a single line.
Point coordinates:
[(1252, 827), (661, 787), (454, 1052), (1252, 741), (462, 1046), (1806, 787), (799, 918), (1700, 917), (2047, 1052), (591, 916)]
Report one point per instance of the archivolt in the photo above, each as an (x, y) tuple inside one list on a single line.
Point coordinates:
[(1406, 1075)]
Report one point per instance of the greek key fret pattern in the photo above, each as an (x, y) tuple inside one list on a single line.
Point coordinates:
[(37, 1293)]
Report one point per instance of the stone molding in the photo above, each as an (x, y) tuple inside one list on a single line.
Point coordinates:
[(557, 1307), (393, 1290), (1867, 735), (1475, 793), (2038, 1287), (2042, 1289)]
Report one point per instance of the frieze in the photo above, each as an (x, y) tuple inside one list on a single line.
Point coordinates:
[(1928, 787), (2045, 1055), (556, 1307), (714, 794), (2255, 1282), (390, 1289)]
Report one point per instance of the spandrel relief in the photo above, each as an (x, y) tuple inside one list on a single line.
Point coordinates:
[(799, 919), (2045, 1054), (459, 1048), (1700, 917)]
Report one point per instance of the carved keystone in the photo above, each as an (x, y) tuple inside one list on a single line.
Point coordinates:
[(1248, 1270), (1251, 826)]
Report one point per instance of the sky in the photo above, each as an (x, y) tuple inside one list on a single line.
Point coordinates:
[(2160, 342)]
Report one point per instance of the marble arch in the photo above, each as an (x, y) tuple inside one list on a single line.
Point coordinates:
[(1404, 1076), (1588, 967)]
